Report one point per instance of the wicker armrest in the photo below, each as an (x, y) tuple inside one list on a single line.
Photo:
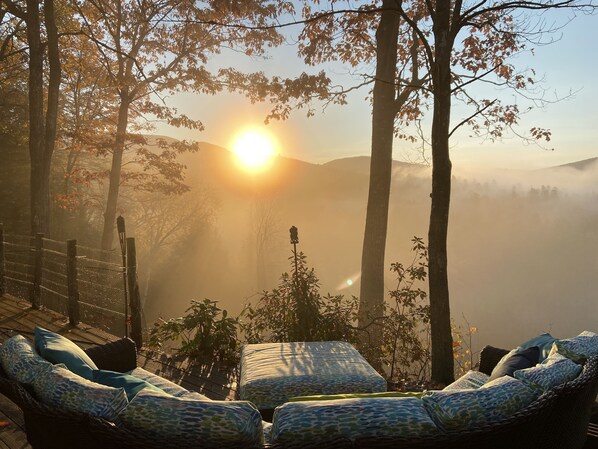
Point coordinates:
[(119, 355), (489, 357)]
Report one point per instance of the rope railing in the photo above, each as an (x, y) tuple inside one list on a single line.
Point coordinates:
[(57, 275)]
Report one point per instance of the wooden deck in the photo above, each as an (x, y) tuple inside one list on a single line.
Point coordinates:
[(17, 317)]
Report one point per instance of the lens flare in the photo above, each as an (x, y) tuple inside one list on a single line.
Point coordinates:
[(349, 282)]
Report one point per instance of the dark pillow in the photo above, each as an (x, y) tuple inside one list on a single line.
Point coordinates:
[(515, 360)]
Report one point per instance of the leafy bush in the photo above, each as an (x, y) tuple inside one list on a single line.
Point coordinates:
[(296, 311), (406, 344), (204, 331), (407, 347)]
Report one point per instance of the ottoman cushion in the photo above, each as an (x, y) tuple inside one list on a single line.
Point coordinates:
[(271, 373)]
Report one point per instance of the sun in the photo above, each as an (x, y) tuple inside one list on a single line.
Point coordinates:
[(254, 150)]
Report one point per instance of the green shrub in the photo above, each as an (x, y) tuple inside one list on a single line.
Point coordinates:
[(407, 347), (205, 331), (296, 311)]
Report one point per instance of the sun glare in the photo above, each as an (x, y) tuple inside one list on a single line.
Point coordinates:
[(254, 150)]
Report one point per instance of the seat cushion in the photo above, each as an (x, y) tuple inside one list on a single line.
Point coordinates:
[(19, 360), (59, 387), (515, 360), (131, 384), (470, 380), (326, 421), (457, 410), (58, 349), (210, 423), (555, 370)]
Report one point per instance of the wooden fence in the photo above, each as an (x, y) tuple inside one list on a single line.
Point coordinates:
[(85, 284)]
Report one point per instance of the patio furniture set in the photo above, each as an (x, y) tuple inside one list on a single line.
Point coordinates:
[(539, 395)]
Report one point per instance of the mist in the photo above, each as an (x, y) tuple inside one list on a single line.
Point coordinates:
[(522, 245)]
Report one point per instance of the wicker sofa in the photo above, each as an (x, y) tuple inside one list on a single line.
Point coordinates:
[(557, 419)]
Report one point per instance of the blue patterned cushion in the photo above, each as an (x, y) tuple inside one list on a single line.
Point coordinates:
[(544, 343), (210, 423), (58, 349), (322, 421), (165, 385), (468, 409), (469, 381), (553, 371), (271, 373), (578, 348), (57, 386), (131, 384), (19, 360)]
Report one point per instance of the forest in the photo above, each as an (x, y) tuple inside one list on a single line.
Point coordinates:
[(84, 83)]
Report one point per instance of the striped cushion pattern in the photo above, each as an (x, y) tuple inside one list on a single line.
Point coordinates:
[(469, 381)]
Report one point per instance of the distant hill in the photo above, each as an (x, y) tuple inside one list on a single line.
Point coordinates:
[(581, 165), (361, 164)]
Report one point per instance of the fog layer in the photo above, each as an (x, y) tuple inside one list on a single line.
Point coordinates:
[(523, 246)]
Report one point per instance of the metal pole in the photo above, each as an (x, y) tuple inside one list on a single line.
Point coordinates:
[(122, 237)]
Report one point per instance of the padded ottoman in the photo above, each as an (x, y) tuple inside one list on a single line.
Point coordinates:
[(271, 373)]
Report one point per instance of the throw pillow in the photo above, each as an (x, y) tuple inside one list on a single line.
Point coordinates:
[(544, 342), (19, 360), (58, 349), (470, 380), (165, 385), (553, 371), (57, 386), (578, 348), (457, 410), (210, 423), (322, 422), (516, 360), (131, 384)]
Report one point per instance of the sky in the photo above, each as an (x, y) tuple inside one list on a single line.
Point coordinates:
[(568, 68)]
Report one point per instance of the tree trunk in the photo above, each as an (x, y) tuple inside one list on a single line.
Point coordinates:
[(115, 171), (372, 293), (53, 96), (42, 133), (40, 195), (440, 318)]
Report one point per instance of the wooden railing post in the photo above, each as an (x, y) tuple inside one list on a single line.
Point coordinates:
[(134, 295), (2, 281), (72, 284), (35, 295)]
